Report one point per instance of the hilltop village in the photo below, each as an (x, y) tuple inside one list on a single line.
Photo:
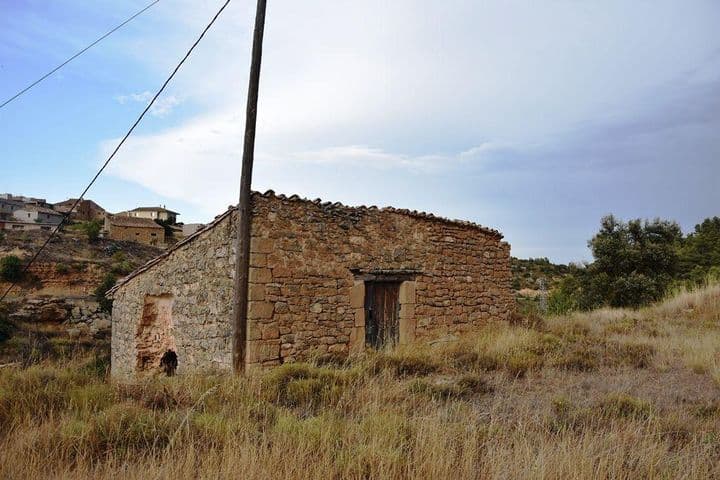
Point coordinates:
[(155, 226)]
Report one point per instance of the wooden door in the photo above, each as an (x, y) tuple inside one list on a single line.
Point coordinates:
[(382, 313)]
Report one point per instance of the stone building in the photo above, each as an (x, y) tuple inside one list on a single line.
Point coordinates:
[(324, 279), (32, 213), (86, 210), (153, 213), (141, 230)]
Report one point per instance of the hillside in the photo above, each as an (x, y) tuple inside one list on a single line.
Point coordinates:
[(605, 394), (53, 310), (70, 266), (529, 274)]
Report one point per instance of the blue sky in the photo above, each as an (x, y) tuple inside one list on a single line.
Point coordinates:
[(535, 118)]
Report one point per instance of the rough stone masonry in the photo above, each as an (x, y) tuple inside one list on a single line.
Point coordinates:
[(324, 279)]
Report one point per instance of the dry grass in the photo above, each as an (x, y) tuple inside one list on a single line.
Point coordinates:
[(611, 393)]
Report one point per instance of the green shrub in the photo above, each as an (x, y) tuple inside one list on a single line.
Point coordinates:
[(79, 266), (301, 385), (62, 268), (561, 300), (577, 358), (621, 405), (122, 268), (107, 283), (638, 355), (91, 229), (521, 362), (11, 268), (462, 387)]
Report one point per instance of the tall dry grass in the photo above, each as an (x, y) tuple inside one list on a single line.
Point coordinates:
[(608, 394)]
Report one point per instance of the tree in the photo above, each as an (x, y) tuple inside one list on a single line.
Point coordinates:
[(107, 283), (167, 225), (91, 229), (10, 268), (700, 250), (635, 262)]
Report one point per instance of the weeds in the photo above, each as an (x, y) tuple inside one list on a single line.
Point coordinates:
[(512, 402), (465, 386), (625, 406), (403, 363)]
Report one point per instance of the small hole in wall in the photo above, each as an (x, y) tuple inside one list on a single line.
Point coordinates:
[(169, 363)]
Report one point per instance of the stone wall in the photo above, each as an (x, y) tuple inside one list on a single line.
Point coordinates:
[(197, 276), (309, 262), (148, 236), (80, 316)]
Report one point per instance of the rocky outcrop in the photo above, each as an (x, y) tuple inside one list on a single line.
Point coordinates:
[(79, 316)]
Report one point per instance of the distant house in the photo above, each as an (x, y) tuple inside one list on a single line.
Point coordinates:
[(8, 207), (40, 202), (25, 226), (85, 211), (153, 213), (34, 214), (141, 230)]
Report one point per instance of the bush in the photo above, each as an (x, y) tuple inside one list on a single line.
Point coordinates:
[(79, 266), (11, 268), (6, 327), (463, 387), (520, 362), (624, 406), (107, 283), (122, 268), (62, 268), (562, 300), (91, 229), (304, 386)]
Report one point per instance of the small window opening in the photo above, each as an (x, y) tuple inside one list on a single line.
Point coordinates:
[(169, 363)]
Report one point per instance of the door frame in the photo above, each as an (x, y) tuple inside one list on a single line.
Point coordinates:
[(382, 338), (406, 298)]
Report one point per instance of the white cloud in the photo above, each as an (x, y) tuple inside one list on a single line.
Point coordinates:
[(358, 99), (162, 107), (199, 162)]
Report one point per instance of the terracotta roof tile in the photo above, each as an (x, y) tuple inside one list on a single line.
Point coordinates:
[(121, 221)]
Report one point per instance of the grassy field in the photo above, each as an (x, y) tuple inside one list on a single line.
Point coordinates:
[(611, 393)]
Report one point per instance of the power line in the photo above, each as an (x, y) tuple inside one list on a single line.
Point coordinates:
[(78, 54), (129, 132)]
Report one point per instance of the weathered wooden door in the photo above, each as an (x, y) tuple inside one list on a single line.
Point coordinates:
[(382, 313)]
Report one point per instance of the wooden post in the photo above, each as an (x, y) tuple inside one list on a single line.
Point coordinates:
[(244, 213)]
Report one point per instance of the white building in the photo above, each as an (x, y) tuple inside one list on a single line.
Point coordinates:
[(153, 213), (35, 214)]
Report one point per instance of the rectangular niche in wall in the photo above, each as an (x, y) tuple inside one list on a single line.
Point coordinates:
[(154, 336)]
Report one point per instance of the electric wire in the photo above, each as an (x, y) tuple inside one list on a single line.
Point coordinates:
[(117, 148), (21, 92)]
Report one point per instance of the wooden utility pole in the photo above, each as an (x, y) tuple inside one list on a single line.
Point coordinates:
[(244, 213)]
